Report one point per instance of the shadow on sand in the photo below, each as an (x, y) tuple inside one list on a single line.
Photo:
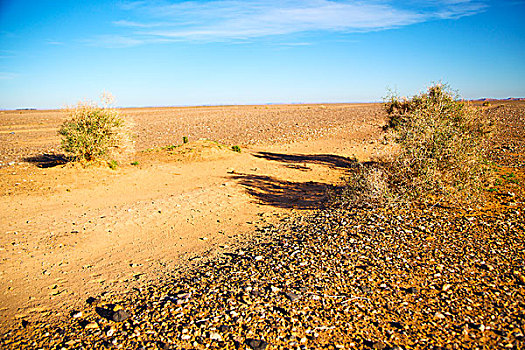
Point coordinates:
[(47, 160), (268, 190), (294, 160)]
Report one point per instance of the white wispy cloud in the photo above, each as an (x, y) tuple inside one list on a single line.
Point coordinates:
[(115, 41), (131, 24), (231, 20), (8, 75), (54, 42)]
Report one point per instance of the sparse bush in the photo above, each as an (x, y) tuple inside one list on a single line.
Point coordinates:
[(135, 163), (486, 104), (366, 186), (91, 131), (185, 139), (441, 143), (113, 164), (236, 149), (441, 140)]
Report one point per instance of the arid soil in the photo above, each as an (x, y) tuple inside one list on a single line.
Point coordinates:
[(69, 232), (198, 246)]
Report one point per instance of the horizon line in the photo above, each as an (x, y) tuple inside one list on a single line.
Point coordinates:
[(254, 104)]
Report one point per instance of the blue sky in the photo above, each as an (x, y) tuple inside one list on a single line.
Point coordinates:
[(172, 53)]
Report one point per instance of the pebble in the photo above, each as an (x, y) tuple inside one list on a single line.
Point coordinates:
[(292, 296), (77, 314), (120, 316), (91, 325), (256, 344)]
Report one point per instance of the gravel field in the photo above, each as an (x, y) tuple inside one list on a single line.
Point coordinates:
[(25, 134), (422, 278), (336, 279)]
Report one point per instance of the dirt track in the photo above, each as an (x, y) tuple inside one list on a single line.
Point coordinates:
[(70, 232)]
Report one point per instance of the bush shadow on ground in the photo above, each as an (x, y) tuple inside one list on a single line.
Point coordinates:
[(330, 160), (309, 195), (47, 160), (269, 190)]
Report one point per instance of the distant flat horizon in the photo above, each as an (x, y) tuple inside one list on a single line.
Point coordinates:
[(262, 104), (232, 52)]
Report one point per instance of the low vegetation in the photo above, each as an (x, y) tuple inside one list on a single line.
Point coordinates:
[(113, 164), (441, 143), (91, 131)]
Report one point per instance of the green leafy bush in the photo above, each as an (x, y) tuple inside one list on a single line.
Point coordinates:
[(236, 149), (91, 131), (185, 139), (441, 141)]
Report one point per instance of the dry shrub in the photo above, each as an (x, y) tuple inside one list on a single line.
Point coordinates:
[(366, 186), (91, 131), (441, 142)]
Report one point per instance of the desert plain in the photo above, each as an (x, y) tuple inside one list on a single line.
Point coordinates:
[(78, 244)]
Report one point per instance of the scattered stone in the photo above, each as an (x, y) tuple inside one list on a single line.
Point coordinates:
[(439, 315), (215, 336), (76, 314), (292, 296), (256, 344), (92, 301), (326, 279), (120, 316), (91, 325), (163, 345)]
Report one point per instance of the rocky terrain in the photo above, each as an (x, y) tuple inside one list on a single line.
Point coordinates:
[(440, 277)]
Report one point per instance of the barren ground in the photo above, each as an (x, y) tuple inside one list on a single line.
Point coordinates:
[(69, 232)]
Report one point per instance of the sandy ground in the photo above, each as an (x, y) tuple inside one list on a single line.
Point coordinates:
[(70, 232)]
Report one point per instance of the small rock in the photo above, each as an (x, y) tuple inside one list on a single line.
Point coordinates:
[(379, 345), (439, 315), (365, 289), (216, 336), (446, 287), (292, 296), (91, 325), (256, 344), (162, 345), (120, 316), (76, 314), (92, 301), (411, 290)]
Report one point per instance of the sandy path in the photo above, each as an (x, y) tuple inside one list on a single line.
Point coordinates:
[(69, 233)]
